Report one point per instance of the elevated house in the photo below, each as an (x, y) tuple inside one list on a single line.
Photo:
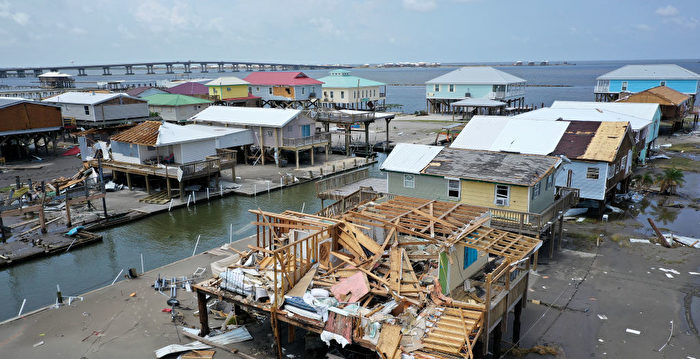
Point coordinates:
[(24, 122), (192, 88), (518, 189), (90, 109), (56, 80), (631, 79), (232, 91), (275, 130), (473, 82), (597, 156), (175, 108), (342, 90), (644, 118), (165, 151), (674, 105), (284, 89), (144, 91)]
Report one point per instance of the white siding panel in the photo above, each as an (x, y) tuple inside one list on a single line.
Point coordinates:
[(116, 112), (198, 151), (590, 188)]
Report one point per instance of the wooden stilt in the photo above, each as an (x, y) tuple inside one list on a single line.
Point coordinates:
[(312, 155), (148, 185), (128, 181), (296, 156), (203, 315)]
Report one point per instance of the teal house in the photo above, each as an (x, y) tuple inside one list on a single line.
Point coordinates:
[(342, 90), (482, 82), (631, 79)]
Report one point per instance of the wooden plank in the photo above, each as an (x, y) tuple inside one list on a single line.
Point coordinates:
[(389, 340), (303, 283)]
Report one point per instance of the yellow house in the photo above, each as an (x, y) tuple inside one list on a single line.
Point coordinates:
[(509, 181), (228, 88)]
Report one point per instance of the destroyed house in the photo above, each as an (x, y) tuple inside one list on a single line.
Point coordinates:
[(395, 276), (674, 105)]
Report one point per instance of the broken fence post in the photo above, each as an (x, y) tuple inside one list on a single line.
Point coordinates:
[(196, 244), (221, 190), (170, 206), (59, 296), (188, 200), (268, 187), (230, 233), (207, 193), (255, 190), (194, 198), (303, 205), (117, 277), (142, 271), (22, 307)]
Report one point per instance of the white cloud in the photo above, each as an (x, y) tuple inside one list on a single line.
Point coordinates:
[(78, 31), (419, 5), (125, 32), (160, 16), (690, 23), (325, 26), (668, 10), (643, 27), (19, 17)]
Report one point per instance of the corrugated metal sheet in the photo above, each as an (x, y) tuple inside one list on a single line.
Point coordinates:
[(644, 112), (650, 72), (281, 78), (154, 133), (586, 114), (495, 167), (246, 116), (478, 102), (227, 81), (476, 75), (410, 158), (227, 136), (189, 88)]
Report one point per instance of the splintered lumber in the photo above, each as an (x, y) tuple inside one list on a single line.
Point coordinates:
[(360, 237), (351, 289), (453, 331), (661, 237), (396, 270), (389, 339), (303, 283)]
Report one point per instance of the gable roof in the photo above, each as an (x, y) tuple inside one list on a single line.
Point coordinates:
[(169, 99), (663, 95), (410, 158), (136, 91), (156, 133), (476, 75), (246, 116), (585, 114), (87, 98), (227, 81), (593, 141), (489, 166), (650, 72), (11, 101), (342, 79), (189, 88), (503, 133), (280, 78)]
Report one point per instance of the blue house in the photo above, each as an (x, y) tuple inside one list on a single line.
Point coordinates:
[(637, 78), (473, 82)]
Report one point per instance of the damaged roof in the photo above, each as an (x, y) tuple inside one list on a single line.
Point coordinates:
[(593, 141), (155, 133), (410, 157), (663, 95), (498, 167)]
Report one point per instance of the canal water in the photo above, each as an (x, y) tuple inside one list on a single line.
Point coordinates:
[(163, 238)]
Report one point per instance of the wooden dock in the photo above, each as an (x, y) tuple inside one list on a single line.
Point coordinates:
[(52, 243)]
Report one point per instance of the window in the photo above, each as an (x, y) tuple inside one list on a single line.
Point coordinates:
[(663, 83), (611, 171), (331, 94), (470, 256), (257, 89), (342, 94), (269, 133), (624, 85), (325, 94), (437, 87), (451, 88), (536, 190), (592, 173), (87, 109), (549, 181), (453, 188), (409, 181), (150, 148), (502, 197), (228, 89), (269, 90), (302, 90)]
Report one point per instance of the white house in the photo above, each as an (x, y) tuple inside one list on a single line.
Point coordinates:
[(344, 90), (90, 109)]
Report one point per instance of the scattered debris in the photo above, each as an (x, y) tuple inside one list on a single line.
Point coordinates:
[(632, 331), (635, 240), (686, 241), (669, 337), (537, 349), (38, 344), (602, 317), (179, 348)]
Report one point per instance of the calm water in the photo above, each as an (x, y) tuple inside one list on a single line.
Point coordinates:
[(579, 80), (171, 236)]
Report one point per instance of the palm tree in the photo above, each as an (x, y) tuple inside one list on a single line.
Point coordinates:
[(644, 181), (669, 180)]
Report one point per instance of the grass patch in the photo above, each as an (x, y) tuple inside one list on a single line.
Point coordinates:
[(670, 261), (683, 164), (685, 147)]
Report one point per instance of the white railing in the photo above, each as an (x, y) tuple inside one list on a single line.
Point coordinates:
[(602, 89)]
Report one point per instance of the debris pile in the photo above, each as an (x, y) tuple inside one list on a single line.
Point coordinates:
[(405, 276)]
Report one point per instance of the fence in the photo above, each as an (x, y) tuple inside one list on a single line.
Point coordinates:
[(341, 180), (318, 138)]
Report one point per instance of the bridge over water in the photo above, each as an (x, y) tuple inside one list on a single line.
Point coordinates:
[(168, 66)]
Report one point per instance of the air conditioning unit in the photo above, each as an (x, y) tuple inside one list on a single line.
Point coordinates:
[(501, 202)]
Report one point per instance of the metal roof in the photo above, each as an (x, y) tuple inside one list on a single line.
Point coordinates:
[(227, 81), (502, 133), (169, 99), (136, 91), (638, 114), (155, 133), (478, 102), (488, 166), (189, 88), (583, 114), (650, 72), (246, 116), (54, 74), (343, 79), (11, 101), (476, 75), (281, 78), (410, 158), (87, 98), (593, 141)]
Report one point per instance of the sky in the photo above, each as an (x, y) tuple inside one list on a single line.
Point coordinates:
[(64, 32)]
